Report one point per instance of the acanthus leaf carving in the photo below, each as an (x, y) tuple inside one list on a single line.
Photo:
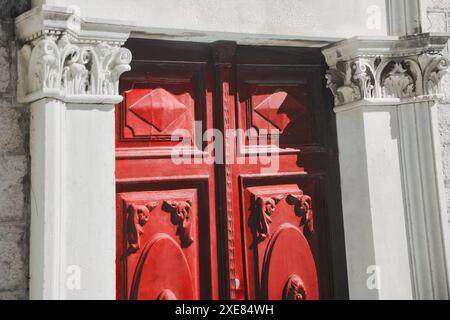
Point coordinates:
[(182, 216), (65, 68), (397, 82), (434, 67), (350, 81), (363, 76), (340, 83), (264, 208), (75, 75), (303, 209), (137, 217)]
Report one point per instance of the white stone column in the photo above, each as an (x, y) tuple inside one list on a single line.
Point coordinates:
[(403, 17), (392, 188), (69, 72)]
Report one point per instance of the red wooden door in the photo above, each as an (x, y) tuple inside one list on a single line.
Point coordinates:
[(166, 216), (254, 223)]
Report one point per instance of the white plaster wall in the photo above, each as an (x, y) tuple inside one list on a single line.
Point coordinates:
[(307, 18)]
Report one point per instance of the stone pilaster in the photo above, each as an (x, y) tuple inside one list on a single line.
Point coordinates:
[(396, 232), (368, 68), (69, 71), (67, 58)]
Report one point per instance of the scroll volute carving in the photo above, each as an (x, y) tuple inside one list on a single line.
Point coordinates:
[(182, 216), (264, 208), (137, 217), (303, 209)]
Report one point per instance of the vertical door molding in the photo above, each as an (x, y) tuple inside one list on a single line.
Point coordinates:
[(394, 210), (69, 72), (223, 58)]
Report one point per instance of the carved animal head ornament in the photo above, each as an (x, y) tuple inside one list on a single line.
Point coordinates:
[(182, 216), (265, 207), (137, 217)]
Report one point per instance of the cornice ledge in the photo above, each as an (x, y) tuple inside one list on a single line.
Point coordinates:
[(69, 58), (408, 68), (383, 102)]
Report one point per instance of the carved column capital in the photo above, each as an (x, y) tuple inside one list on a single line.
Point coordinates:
[(68, 58), (406, 68)]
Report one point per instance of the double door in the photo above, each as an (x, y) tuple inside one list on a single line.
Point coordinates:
[(226, 175)]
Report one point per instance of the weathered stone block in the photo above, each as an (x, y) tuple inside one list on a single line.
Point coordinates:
[(12, 8), (14, 295), (5, 75), (6, 31), (446, 160), (12, 267), (444, 132), (13, 128), (13, 171)]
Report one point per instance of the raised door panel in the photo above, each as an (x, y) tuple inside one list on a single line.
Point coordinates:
[(163, 102), (280, 237), (276, 102), (159, 257)]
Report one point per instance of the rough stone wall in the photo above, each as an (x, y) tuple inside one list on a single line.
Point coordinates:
[(437, 19), (14, 163)]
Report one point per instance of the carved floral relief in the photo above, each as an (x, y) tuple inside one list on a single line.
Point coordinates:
[(182, 217), (303, 209), (294, 289), (264, 208), (398, 82), (137, 217)]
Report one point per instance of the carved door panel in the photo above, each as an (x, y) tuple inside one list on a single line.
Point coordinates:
[(166, 234), (279, 175), (263, 222), (280, 240), (161, 228), (275, 104)]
